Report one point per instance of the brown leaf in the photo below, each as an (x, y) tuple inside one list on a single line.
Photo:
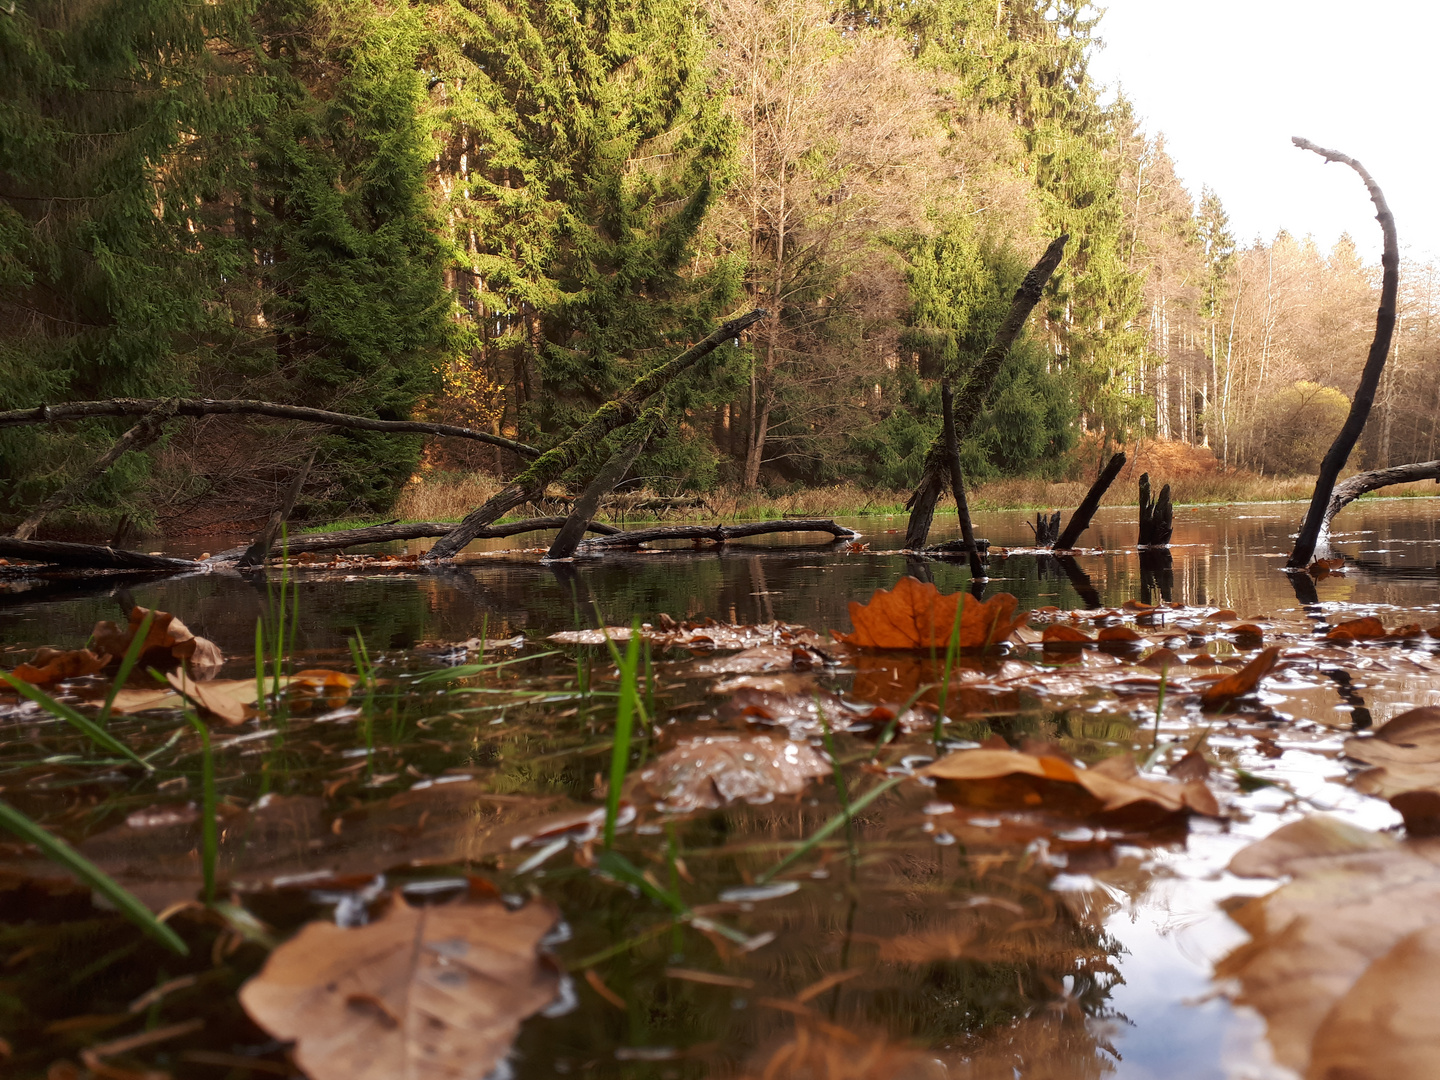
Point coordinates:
[(426, 993), (1248, 631), (714, 771), (1351, 938), (1357, 630), (1162, 659), (52, 666), (1406, 756), (916, 615), (1119, 633), (168, 643), (1325, 567), (333, 687), (986, 777), (1060, 636), (211, 699), (1245, 681)]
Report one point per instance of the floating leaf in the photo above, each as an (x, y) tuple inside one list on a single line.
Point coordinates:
[(1005, 778), (714, 771), (52, 665), (167, 643), (1060, 636), (1357, 630), (916, 615), (1342, 960), (1322, 568), (424, 993), (212, 699), (1406, 756), (1245, 681)]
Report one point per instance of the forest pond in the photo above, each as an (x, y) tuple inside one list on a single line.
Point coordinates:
[(460, 760)]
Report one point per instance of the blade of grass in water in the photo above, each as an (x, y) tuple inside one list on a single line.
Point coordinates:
[(625, 711), (127, 664), (950, 652), (58, 709), (839, 774), (464, 671), (57, 851), (829, 828), (209, 836), (260, 664)]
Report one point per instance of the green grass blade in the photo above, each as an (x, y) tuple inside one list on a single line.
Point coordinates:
[(832, 826), (58, 709), (625, 711), (614, 865), (464, 671), (260, 663), (950, 651), (127, 665), (57, 851), (209, 836)]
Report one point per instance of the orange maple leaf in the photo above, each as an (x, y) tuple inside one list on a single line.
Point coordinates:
[(916, 615)]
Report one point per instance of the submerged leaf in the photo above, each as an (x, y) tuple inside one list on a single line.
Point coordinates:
[(711, 772), (434, 992), (916, 615)]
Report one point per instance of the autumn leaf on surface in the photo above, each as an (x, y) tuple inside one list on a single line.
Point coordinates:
[(1405, 754), (53, 665), (1344, 959), (211, 699), (1013, 779), (591, 637), (714, 771), (1245, 681), (429, 993), (916, 615), (1357, 630), (1063, 637), (331, 687), (167, 643), (1323, 568)]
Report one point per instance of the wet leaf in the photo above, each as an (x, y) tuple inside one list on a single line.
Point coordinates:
[(433, 992), (1406, 756), (1357, 630), (52, 665), (757, 659), (916, 615), (211, 699), (1322, 568), (718, 770), (1245, 681), (169, 642), (591, 637), (1342, 959), (1060, 636), (1005, 778), (332, 687)]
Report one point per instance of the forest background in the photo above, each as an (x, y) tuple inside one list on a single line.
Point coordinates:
[(495, 213)]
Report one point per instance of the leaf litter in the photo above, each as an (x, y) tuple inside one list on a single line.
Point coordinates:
[(1003, 782)]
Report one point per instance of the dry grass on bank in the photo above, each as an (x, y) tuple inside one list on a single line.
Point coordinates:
[(449, 498)]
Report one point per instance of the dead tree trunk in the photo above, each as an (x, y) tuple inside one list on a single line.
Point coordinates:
[(81, 410), (1361, 483), (1156, 515), (610, 416), (1046, 530), (1080, 520), (137, 438), (975, 391), (259, 551), (1339, 452), (720, 534), (90, 556), (613, 471), (957, 480)]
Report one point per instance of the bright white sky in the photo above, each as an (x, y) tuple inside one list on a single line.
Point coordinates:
[(1229, 81)]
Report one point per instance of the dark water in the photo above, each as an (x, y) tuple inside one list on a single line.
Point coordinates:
[(975, 951)]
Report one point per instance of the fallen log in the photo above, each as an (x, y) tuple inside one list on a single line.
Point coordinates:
[(975, 392), (1157, 516), (957, 481), (611, 416), (90, 556), (1362, 483), (1339, 452), (84, 410), (1080, 520), (613, 471), (720, 534), (415, 530)]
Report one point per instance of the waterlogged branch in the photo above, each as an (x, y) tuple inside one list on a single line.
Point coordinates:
[(970, 402), (619, 413), (1361, 483), (1339, 452), (84, 410)]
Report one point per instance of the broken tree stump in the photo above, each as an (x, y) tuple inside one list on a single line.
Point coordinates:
[(1046, 530), (957, 480), (1339, 452), (259, 551), (1080, 520), (1156, 515), (975, 392), (615, 414)]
